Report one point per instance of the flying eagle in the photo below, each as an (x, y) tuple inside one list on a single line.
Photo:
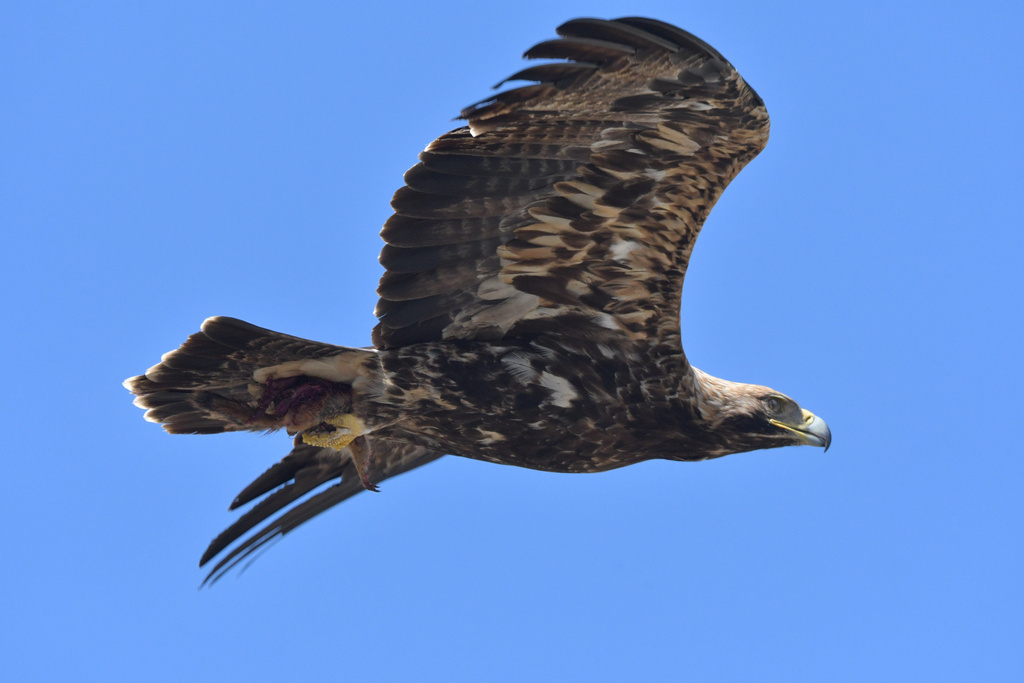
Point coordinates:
[(529, 312)]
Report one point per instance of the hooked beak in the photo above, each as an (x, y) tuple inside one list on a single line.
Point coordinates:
[(812, 430)]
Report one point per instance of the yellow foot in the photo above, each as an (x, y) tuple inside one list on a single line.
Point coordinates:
[(347, 428)]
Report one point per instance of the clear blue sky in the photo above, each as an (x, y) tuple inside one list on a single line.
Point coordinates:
[(164, 162)]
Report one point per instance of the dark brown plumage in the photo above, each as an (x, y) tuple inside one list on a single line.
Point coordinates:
[(529, 310)]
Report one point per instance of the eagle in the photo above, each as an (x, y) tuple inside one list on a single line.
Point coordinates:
[(529, 308)]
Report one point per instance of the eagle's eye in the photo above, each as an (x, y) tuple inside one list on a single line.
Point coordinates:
[(773, 404)]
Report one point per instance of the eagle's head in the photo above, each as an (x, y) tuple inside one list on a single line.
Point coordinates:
[(750, 417), (773, 420)]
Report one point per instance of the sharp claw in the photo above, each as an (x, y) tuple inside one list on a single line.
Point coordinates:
[(361, 457)]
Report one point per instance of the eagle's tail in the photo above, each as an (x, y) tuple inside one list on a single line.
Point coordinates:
[(233, 376)]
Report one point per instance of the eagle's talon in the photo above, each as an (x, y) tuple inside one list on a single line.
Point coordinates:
[(336, 432), (361, 455)]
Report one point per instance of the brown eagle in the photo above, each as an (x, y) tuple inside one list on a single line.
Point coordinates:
[(529, 312)]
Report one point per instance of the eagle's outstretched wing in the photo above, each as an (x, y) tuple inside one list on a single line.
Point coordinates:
[(570, 205), (301, 472)]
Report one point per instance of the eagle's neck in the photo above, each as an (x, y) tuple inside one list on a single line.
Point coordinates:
[(717, 399)]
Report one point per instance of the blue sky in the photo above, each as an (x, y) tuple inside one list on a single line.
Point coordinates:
[(164, 162)]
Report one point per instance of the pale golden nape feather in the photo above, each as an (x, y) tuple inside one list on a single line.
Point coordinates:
[(719, 398)]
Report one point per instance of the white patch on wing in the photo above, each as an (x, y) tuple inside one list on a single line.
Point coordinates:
[(620, 250), (694, 105), (490, 437), (503, 315), (606, 321), (494, 289), (562, 392), (518, 364)]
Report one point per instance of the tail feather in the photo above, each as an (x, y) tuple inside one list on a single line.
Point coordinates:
[(233, 376), (208, 385)]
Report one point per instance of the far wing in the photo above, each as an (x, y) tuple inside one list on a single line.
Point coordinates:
[(570, 205), (301, 472)]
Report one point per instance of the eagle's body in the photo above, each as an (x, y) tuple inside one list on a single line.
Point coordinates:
[(529, 312), (610, 410), (617, 405)]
